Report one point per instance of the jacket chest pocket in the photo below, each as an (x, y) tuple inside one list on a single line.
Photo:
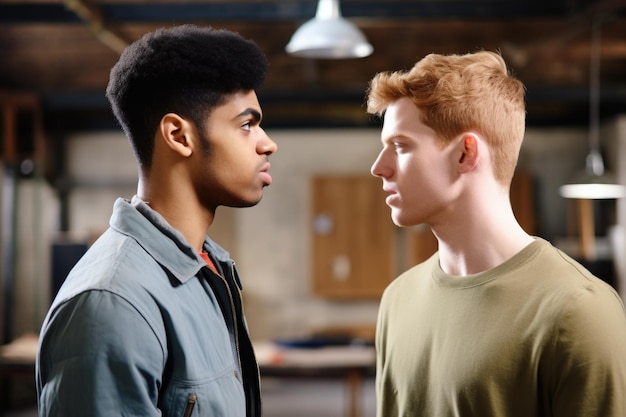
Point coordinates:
[(221, 396)]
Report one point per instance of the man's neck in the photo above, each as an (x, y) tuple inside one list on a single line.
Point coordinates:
[(475, 244)]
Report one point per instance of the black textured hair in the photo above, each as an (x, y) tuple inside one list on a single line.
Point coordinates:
[(187, 70)]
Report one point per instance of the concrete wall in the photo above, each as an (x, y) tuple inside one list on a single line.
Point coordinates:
[(36, 212)]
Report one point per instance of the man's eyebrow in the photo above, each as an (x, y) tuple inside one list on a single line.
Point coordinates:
[(391, 136), (250, 112)]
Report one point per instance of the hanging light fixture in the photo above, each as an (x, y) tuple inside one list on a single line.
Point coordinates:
[(594, 182), (328, 35)]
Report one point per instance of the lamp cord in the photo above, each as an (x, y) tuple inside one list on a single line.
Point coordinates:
[(594, 159)]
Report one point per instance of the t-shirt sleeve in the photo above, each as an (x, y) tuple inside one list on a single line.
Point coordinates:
[(588, 374), (98, 356)]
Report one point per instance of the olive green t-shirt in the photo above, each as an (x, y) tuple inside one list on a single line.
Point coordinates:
[(536, 336)]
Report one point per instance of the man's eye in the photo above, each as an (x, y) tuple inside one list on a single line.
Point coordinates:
[(246, 126)]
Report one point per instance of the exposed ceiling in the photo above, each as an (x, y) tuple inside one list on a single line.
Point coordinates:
[(63, 50)]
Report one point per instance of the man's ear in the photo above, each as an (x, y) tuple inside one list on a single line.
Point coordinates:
[(176, 133), (469, 152)]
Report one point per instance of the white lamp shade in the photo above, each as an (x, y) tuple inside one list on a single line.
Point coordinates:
[(591, 191), (590, 186), (330, 39), (593, 183)]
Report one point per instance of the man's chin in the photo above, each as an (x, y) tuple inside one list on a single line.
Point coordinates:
[(243, 203), (402, 221), (397, 218)]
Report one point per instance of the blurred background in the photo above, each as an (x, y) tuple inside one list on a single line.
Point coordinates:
[(317, 252)]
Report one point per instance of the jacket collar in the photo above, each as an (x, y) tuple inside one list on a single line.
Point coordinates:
[(165, 244)]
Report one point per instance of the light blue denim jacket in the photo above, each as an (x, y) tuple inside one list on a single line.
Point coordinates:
[(142, 327)]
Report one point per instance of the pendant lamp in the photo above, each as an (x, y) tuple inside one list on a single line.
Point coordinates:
[(594, 182), (328, 36)]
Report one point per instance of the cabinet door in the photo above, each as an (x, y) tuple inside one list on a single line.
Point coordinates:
[(353, 237)]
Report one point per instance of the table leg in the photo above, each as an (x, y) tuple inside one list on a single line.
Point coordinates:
[(354, 392)]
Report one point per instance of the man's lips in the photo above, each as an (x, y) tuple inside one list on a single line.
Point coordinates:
[(391, 195), (265, 175)]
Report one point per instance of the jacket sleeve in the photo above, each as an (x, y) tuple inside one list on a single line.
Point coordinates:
[(589, 366), (98, 357)]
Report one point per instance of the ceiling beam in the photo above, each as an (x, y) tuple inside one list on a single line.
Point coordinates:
[(280, 10)]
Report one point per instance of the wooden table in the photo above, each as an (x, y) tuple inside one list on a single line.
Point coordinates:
[(352, 363), (17, 361)]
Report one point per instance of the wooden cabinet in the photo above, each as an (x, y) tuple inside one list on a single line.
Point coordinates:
[(353, 237)]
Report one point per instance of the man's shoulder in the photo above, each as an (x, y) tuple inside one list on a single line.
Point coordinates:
[(570, 276), (114, 263)]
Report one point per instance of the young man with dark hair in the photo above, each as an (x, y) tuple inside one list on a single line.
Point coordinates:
[(497, 323), (150, 321)]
